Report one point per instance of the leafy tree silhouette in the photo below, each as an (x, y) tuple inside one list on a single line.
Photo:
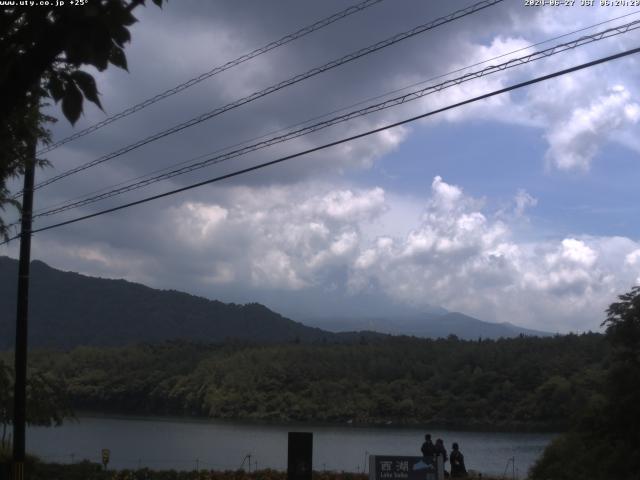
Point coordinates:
[(42, 50), (47, 401), (623, 384), (604, 442)]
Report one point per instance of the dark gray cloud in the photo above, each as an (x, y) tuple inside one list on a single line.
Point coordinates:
[(184, 40), (267, 228)]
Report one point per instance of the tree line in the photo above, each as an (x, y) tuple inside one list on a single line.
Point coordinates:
[(520, 383)]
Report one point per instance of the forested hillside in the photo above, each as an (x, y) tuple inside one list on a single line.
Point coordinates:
[(68, 309), (532, 383)]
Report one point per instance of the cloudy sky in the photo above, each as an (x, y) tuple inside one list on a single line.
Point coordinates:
[(520, 208)]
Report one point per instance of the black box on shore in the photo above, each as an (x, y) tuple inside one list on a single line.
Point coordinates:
[(300, 456)]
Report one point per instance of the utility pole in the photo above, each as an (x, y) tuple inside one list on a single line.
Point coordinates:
[(20, 387)]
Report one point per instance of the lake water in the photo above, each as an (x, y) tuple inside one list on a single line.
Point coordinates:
[(185, 444)]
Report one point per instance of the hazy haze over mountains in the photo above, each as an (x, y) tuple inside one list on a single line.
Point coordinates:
[(68, 309), (431, 325)]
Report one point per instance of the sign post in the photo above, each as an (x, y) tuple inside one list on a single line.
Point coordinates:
[(106, 453)]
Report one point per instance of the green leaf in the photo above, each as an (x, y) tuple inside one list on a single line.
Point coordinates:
[(88, 86), (101, 46), (78, 47), (123, 16), (55, 87), (118, 58), (72, 103), (120, 35)]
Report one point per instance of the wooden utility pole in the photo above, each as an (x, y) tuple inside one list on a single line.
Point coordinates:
[(20, 387)]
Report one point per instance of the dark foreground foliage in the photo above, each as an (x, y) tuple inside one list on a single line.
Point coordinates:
[(522, 383), (85, 470), (604, 441), (36, 470), (227, 475)]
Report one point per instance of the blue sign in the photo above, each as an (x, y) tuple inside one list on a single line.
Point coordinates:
[(388, 467)]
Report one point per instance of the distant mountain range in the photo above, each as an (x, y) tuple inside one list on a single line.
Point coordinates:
[(430, 325), (68, 309)]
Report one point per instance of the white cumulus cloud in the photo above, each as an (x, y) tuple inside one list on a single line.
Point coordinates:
[(575, 140), (316, 237), (459, 258)]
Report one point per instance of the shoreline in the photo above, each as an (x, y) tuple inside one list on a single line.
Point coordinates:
[(180, 443), (391, 425)]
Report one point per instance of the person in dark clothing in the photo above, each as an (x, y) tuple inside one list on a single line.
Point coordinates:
[(441, 451), (428, 450), (457, 462)]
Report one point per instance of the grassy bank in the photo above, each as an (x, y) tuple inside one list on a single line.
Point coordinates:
[(38, 470), (92, 471)]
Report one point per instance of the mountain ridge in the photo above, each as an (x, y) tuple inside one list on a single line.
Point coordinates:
[(68, 309)]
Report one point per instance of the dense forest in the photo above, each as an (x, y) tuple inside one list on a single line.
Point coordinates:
[(521, 383), (603, 439)]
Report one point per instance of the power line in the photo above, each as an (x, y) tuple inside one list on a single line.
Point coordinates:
[(72, 202), (341, 141), (293, 80), (443, 75), (42, 211), (587, 39), (219, 69)]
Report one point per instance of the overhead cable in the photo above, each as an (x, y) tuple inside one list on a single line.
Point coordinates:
[(214, 71), (339, 142), (393, 102), (324, 115), (274, 88)]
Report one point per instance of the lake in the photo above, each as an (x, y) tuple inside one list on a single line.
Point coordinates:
[(186, 444)]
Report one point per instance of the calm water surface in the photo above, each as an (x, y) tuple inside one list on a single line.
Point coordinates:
[(186, 444)]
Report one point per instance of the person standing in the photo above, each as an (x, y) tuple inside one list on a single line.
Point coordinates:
[(428, 450), (458, 469), (441, 451)]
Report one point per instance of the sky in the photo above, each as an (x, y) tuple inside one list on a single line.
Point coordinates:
[(519, 208)]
